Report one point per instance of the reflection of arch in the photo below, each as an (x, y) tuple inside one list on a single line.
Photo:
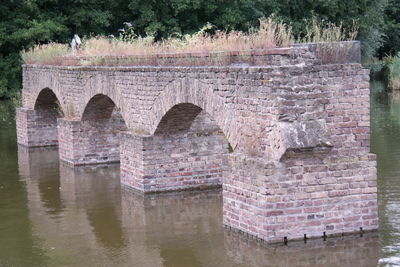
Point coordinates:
[(40, 169), (186, 91), (106, 225), (45, 166)]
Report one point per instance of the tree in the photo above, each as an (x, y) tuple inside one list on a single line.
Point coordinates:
[(25, 23), (392, 29)]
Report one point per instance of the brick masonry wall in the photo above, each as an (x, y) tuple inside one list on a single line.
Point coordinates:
[(22, 120), (188, 151), (91, 141), (299, 130), (321, 183), (36, 128)]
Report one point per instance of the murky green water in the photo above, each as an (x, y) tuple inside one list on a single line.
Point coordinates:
[(385, 142), (52, 214)]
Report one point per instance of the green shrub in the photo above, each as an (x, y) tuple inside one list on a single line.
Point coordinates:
[(394, 72), (16, 99), (377, 68)]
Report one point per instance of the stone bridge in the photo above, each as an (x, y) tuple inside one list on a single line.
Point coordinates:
[(285, 131)]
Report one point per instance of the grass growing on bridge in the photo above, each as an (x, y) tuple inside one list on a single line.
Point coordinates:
[(270, 34)]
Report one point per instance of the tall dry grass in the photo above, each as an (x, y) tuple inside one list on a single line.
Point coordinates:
[(271, 33), (45, 54), (320, 32)]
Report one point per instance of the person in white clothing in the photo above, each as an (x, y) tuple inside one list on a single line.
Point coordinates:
[(76, 42)]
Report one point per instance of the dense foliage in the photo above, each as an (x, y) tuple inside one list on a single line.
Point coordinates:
[(27, 22), (393, 72)]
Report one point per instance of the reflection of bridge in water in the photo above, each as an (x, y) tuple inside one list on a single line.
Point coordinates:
[(82, 216)]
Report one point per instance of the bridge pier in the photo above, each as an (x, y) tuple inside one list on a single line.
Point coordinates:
[(36, 128), (84, 142), (169, 163), (305, 193), (187, 151)]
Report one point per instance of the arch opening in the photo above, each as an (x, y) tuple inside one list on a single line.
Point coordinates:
[(178, 119), (99, 107), (47, 111), (188, 150), (101, 125)]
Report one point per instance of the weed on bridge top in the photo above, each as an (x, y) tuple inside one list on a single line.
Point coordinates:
[(272, 33)]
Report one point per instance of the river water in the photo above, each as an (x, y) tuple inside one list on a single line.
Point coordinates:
[(52, 214)]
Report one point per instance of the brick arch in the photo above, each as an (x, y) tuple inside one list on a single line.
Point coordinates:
[(178, 119), (103, 106), (191, 91), (41, 95), (46, 98), (96, 135), (43, 112)]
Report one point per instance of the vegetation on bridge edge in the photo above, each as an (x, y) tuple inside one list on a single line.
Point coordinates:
[(271, 33), (25, 24)]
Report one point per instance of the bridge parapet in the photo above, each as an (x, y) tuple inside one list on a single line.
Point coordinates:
[(309, 54)]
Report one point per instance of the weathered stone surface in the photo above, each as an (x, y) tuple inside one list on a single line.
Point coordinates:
[(297, 130), (38, 127), (292, 137), (183, 154), (95, 139)]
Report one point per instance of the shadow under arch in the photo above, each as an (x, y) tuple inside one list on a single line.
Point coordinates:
[(188, 150), (99, 106), (101, 125), (178, 119), (193, 91), (47, 110)]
